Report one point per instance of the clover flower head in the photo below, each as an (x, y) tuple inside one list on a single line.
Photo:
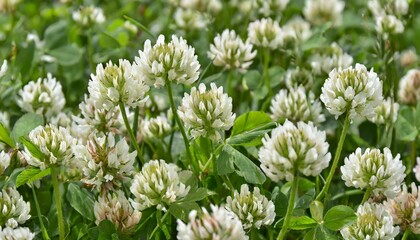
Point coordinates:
[(115, 207), (14, 210), (188, 19), (88, 16), (116, 84), (388, 24), (321, 11), (158, 184), (297, 30), (168, 62), (44, 97), (352, 89), (271, 7), (252, 208), (408, 57), (107, 162), (157, 127), (386, 113), (265, 33), (294, 148), (405, 208), (211, 6), (330, 58), (20, 233), (55, 143), (4, 161), (373, 222), (398, 8), (299, 77), (409, 87), (207, 113), (219, 224), (375, 170), (229, 51), (9, 6), (296, 105)]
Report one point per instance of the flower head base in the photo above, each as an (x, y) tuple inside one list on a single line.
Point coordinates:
[(43, 97), (253, 209), (323, 11), (295, 105), (386, 113), (14, 210), (114, 84), (157, 127), (4, 161), (174, 62), (409, 89), (231, 52), (405, 209), (352, 89), (207, 113), (88, 16), (54, 142), (380, 172), (106, 162), (373, 222), (220, 224), (157, 184), (292, 149), (115, 207), (330, 58), (265, 33), (20, 233)]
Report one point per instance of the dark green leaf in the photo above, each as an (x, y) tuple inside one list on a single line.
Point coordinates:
[(224, 163), (246, 168), (81, 200), (252, 79), (55, 35), (26, 124), (181, 210), (338, 217), (196, 195), (4, 136), (31, 174), (280, 202), (405, 131), (301, 223), (24, 59), (67, 55)]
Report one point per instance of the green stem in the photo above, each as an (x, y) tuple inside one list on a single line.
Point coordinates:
[(57, 198), (130, 132), (406, 234), (290, 207), (181, 128), (347, 193), (326, 187), (160, 220), (367, 195), (38, 212)]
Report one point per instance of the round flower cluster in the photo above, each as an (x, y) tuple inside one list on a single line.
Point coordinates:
[(253, 209), (117, 84), (265, 33), (352, 89), (20, 233), (292, 149), (298, 77), (157, 127), (379, 172), (207, 113), (231, 52), (14, 210), (330, 58), (188, 19), (220, 224), (296, 105), (322, 11), (409, 88), (389, 24), (157, 184), (87, 16), (174, 62), (386, 113), (44, 97), (296, 30)]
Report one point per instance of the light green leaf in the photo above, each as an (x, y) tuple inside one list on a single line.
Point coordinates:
[(32, 148), (317, 210), (250, 121), (301, 223), (338, 217), (26, 124), (196, 195), (224, 163), (67, 55), (181, 210), (246, 168), (81, 200), (30, 175), (4, 136), (405, 131)]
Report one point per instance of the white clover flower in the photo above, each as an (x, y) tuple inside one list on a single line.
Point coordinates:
[(189, 19), (271, 7), (230, 52), (157, 184), (298, 77), (20, 233), (386, 113), (321, 11), (4, 161), (115, 207), (296, 105), (329, 58), (379, 172), (245, 7), (87, 16), (373, 222), (405, 208), (393, 7), (294, 148), (14, 210), (106, 162), (408, 57), (212, 6), (409, 87), (352, 89), (157, 127), (8, 6), (266, 33), (114, 84), (416, 169), (252, 208), (174, 62), (296, 29), (54, 142), (220, 224), (44, 97), (388, 24), (3, 68), (207, 113)]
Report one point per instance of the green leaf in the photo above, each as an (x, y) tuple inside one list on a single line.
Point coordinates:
[(338, 217), (252, 137), (81, 200), (280, 202), (108, 41), (404, 129), (30, 175), (196, 195), (251, 79), (25, 124), (224, 163), (301, 223), (67, 55), (24, 60), (56, 34), (181, 210), (317, 210), (4, 137), (32, 148), (246, 168), (319, 232), (249, 121)]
